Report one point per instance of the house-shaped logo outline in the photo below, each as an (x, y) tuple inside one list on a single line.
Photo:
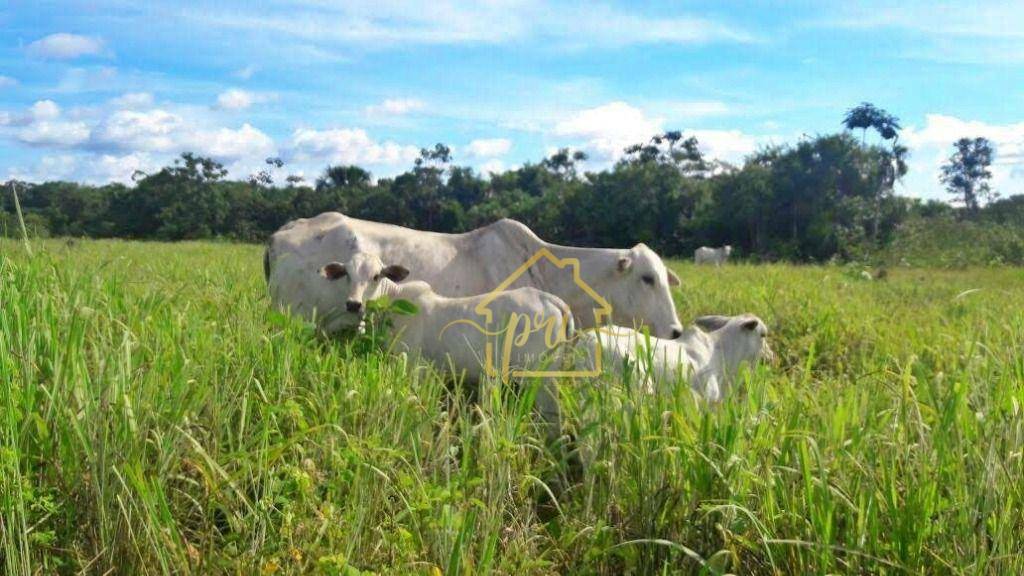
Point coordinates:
[(602, 312)]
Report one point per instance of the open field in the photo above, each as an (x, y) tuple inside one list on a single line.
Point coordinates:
[(156, 418)]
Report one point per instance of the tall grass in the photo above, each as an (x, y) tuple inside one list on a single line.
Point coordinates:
[(156, 418)]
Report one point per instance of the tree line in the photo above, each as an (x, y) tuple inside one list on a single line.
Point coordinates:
[(826, 196)]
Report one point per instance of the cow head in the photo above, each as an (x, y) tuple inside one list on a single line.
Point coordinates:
[(640, 293), (364, 273), (743, 339)]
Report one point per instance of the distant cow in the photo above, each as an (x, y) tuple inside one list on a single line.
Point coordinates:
[(708, 355), (716, 256), (528, 328), (634, 281)]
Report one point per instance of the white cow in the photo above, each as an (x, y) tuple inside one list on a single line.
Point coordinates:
[(716, 256), (709, 355), (635, 282), (528, 329)]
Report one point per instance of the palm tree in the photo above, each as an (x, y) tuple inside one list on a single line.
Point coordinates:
[(861, 118), (893, 161)]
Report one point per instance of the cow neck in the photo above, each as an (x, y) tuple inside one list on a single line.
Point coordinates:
[(592, 262), (727, 360)]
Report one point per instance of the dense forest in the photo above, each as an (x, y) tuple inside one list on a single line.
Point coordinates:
[(831, 196)]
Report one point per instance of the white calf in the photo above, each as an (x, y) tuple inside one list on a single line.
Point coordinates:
[(710, 359), (527, 328)]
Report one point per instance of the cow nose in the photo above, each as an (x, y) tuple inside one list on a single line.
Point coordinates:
[(676, 333), (353, 305)]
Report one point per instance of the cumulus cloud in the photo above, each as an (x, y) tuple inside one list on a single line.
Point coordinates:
[(347, 146), (42, 125), (44, 110), (58, 134), (229, 144), (605, 131), (494, 166), (122, 132), (133, 100), (64, 46), (99, 169), (152, 131), (932, 144), (396, 107), (41, 110), (159, 130), (489, 147), (729, 145), (608, 129), (236, 99)]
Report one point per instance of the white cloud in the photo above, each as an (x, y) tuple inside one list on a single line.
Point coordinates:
[(133, 100), (228, 144), (370, 23), (347, 146), (246, 72), (977, 33), (150, 131), (609, 26), (100, 169), (494, 166), (489, 147), (396, 107), (605, 131), (41, 110), (64, 46), (113, 141), (44, 110), (931, 146), (43, 126), (989, 20), (162, 131), (235, 99), (608, 129), (111, 168), (58, 134), (7, 82), (729, 145)]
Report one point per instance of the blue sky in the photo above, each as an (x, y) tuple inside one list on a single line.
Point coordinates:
[(95, 90)]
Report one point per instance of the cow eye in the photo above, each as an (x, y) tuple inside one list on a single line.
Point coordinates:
[(648, 279), (376, 277)]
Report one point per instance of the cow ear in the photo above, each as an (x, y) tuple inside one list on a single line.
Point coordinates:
[(625, 263), (711, 323), (750, 324), (673, 280), (395, 273), (333, 271)]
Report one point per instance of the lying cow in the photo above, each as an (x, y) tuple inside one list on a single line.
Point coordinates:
[(635, 282), (716, 256), (709, 355), (528, 328)]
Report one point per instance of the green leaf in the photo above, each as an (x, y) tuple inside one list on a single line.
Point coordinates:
[(404, 307)]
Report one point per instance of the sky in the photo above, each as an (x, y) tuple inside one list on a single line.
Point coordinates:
[(93, 91)]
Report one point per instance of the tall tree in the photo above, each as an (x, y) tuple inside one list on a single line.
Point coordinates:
[(966, 174)]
